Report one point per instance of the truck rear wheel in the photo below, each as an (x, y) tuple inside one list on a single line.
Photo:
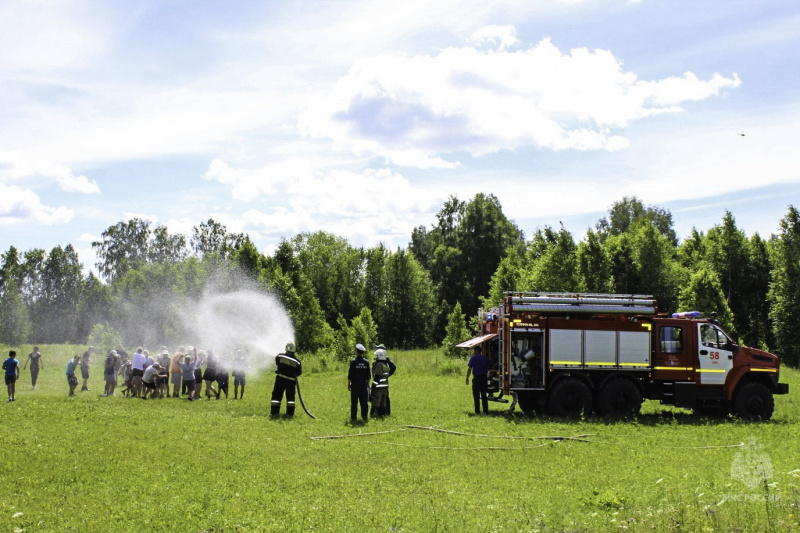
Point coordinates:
[(571, 398), (754, 401), (619, 398)]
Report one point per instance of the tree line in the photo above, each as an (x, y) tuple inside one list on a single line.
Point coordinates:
[(413, 297)]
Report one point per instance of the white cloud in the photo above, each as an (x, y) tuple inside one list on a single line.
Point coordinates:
[(14, 169), (20, 206), (480, 102), (501, 37), (362, 205), (249, 184)]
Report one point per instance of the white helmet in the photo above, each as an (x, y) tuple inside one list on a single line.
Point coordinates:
[(290, 347), (380, 354)]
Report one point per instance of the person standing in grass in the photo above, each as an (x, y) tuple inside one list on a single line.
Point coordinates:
[(222, 377), (126, 371), (35, 359), (382, 368), (199, 359), (479, 365), (11, 366), (238, 374), (358, 377), (138, 362), (210, 375), (187, 371), (72, 379), (175, 372), (110, 373), (287, 369), (85, 364), (162, 381)]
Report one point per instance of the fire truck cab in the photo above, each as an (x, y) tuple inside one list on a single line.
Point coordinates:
[(574, 354)]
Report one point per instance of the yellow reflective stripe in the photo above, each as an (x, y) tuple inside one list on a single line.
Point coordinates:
[(648, 326), (684, 368), (763, 370), (605, 364), (285, 377), (711, 370), (634, 364), (565, 363)]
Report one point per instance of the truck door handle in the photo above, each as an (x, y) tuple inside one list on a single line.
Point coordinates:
[(703, 352), (730, 356)]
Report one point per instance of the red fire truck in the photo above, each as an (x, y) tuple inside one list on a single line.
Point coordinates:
[(571, 354)]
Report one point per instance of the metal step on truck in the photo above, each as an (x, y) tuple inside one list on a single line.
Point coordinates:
[(574, 354)]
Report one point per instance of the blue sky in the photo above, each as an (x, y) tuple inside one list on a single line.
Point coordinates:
[(361, 118)]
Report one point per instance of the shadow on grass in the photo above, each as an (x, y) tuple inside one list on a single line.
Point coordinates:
[(661, 418)]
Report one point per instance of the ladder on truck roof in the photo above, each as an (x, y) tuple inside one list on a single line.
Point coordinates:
[(584, 303)]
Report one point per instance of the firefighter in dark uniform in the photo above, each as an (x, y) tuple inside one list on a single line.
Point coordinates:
[(358, 378), (288, 367)]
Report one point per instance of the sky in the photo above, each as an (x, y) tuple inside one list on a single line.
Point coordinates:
[(362, 118)]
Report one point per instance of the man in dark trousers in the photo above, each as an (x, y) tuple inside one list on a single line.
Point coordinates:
[(358, 378), (288, 367), (479, 365)]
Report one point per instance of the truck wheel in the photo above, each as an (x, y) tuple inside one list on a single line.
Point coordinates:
[(754, 401), (571, 398), (619, 398)]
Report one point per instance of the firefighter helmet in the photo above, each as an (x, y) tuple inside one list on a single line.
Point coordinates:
[(290, 348)]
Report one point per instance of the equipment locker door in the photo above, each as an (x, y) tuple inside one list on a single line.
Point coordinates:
[(715, 354)]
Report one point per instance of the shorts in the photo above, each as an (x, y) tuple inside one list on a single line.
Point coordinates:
[(150, 385), (238, 380), (84, 372), (11, 379), (161, 380), (176, 379), (72, 380), (198, 375), (136, 372), (190, 385), (110, 378)]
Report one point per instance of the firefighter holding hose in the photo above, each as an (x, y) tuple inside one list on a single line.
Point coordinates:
[(288, 367)]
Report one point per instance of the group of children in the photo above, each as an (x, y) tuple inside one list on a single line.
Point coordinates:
[(145, 377)]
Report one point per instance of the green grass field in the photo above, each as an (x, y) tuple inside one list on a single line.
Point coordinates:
[(91, 463)]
